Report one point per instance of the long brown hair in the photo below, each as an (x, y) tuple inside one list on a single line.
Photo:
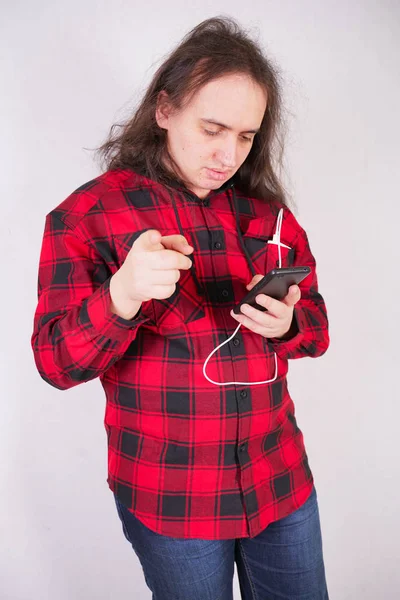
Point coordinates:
[(214, 48)]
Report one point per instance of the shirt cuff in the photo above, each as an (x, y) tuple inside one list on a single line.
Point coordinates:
[(285, 346), (97, 311)]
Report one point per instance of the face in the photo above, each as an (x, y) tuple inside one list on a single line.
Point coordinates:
[(211, 137)]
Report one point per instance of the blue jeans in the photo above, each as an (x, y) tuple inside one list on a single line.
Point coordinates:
[(283, 562)]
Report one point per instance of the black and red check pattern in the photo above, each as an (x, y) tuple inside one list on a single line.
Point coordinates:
[(190, 459)]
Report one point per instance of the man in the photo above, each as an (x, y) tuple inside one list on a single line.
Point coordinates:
[(205, 472)]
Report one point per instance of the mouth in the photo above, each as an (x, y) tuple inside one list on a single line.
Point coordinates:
[(216, 175)]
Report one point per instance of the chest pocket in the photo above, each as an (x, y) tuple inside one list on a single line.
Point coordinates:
[(265, 254), (183, 307)]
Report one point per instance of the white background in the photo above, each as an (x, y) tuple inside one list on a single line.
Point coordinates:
[(69, 72)]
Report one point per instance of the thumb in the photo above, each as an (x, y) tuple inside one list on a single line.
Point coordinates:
[(254, 281), (293, 295), (149, 240)]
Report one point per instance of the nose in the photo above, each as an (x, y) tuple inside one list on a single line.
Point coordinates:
[(226, 154)]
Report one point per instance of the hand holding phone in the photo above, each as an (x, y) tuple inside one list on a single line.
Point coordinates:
[(275, 284)]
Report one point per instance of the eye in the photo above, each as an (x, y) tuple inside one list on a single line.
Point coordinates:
[(244, 138), (211, 132)]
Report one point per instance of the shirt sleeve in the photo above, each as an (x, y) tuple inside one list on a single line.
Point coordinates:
[(76, 337), (310, 326)]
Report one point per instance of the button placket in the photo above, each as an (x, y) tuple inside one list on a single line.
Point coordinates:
[(217, 240), (243, 402)]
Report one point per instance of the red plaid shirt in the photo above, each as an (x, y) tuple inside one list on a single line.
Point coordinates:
[(190, 459)]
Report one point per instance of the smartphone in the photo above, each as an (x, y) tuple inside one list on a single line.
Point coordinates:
[(276, 284)]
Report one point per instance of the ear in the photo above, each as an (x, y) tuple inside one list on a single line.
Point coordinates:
[(163, 110)]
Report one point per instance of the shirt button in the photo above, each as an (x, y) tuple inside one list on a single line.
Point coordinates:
[(236, 341), (243, 447), (243, 394), (225, 293), (218, 245)]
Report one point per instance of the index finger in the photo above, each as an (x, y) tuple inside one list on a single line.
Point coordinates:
[(162, 260), (274, 307), (176, 242)]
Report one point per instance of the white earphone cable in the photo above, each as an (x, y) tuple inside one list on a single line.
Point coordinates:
[(275, 240)]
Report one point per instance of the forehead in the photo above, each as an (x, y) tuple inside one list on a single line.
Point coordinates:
[(234, 99)]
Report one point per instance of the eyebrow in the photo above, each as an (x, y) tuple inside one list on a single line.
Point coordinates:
[(213, 122)]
